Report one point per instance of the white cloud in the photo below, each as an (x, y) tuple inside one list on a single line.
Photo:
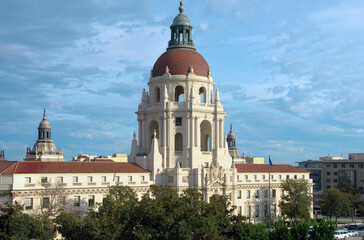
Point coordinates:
[(204, 26)]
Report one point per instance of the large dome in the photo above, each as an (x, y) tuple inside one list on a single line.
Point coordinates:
[(179, 62)]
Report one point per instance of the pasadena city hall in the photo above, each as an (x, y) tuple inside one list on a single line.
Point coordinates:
[(180, 143)]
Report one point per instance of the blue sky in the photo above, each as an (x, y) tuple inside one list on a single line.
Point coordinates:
[(290, 73)]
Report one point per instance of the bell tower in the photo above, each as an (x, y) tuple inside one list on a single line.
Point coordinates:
[(183, 108)]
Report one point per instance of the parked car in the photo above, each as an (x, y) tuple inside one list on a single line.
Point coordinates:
[(352, 227), (353, 233), (341, 234)]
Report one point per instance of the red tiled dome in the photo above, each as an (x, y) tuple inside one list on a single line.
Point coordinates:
[(179, 62)]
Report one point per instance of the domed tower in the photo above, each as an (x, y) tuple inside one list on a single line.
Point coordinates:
[(44, 149), (231, 141), (182, 109)]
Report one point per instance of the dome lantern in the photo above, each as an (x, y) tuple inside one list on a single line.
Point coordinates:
[(181, 31)]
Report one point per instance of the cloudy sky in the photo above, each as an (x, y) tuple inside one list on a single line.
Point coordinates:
[(290, 73)]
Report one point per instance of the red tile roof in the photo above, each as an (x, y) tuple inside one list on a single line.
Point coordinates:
[(72, 167), (276, 168), (7, 165)]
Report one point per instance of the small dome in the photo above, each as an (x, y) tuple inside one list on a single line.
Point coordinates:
[(231, 135), (179, 62), (44, 123), (181, 19)]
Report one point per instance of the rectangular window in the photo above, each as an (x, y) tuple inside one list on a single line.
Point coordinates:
[(28, 180), (44, 180), (247, 193), (335, 180), (91, 200), (76, 201), (60, 179), (287, 176), (178, 121), (246, 177), (256, 193), (335, 165), (256, 211), (75, 179), (343, 165), (328, 180), (295, 177), (142, 178), (117, 179), (62, 201), (303, 176), (265, 193), (239, 194), (352, 165), (248, 211), (271, 176), (89, 179), (274, 193), (45, 202), (103, 179), (265, 209), (28, 203), (274, 210), (328, 173), (255, 177), (263, 177), (280, 177), (130, 178), (239, 210), (335, 173), (361, 165)]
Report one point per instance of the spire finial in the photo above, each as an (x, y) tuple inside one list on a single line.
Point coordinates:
[(44, 114), (181, 8), (231, 127)]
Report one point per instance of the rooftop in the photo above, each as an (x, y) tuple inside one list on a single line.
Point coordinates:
[(69, 167)]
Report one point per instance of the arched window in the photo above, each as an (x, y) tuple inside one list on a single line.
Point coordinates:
[(179, 94), (205, 135), (178, 142), (153, 126), (157, 95), (202, 93)]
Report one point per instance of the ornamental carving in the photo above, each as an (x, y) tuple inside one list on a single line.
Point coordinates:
[(216, 173)]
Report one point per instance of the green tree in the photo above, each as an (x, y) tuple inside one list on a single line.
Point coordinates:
[(334, 203), (161, 213), (14, 224), (299, 230), (322, 231), (250, 231), (280, 231), (296, 203)]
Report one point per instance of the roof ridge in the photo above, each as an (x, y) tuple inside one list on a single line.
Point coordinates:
[(15, 162)]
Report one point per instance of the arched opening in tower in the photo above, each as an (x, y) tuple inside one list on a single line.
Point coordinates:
[(153, 126), (178, 142), (157, 94), (205, 135), (202, 93), (179, 94)]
